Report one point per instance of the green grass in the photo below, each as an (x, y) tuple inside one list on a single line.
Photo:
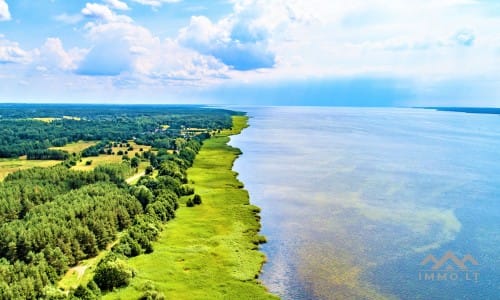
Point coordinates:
[(11, 165), (84, 271), (209, 251), (75, 147), (104, 159)]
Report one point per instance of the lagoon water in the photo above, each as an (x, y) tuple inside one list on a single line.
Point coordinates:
[(354, 199)]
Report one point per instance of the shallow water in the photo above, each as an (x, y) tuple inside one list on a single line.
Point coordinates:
[(353, 199)]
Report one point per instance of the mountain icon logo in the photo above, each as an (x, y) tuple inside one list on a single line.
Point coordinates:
[(448, 261)]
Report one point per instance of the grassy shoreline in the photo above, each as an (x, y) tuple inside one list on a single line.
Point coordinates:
[(209, 251)]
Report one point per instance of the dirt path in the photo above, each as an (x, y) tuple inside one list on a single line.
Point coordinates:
[(135, 177), (80, 270)]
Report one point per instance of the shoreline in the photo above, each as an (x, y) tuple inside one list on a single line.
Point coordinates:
[(209, 251)]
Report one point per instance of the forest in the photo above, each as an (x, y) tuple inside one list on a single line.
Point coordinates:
[(22, 130), (52, 218)]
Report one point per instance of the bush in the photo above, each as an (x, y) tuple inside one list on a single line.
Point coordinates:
[(152, 295), (196, 199), (111, 274), (189, 203)]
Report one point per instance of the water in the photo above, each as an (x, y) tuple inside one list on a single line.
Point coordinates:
[(354, 199)]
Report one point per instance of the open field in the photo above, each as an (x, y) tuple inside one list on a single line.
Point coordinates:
[(104, 159), (10, 165), (50, 119), (75, 147), (209, 251), (46, 120)]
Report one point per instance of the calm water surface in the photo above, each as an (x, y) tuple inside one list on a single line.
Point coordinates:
[(354, 199)]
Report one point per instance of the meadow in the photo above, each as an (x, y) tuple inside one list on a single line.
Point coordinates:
[(104, 159), (209, 251), (11, 165), (76, 147)]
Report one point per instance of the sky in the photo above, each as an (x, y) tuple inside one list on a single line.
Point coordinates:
[(252, 52)]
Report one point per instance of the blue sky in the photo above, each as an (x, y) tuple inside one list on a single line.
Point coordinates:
[(243, 52)]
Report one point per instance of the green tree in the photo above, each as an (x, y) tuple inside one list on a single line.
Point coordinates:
[(134, 162), (113, 274)]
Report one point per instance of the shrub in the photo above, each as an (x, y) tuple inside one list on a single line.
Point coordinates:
[(111, 274), (189, 203), (196, 199)]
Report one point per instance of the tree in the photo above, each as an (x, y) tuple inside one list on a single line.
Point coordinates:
[(112, 274), (149, 170), (196, 199), (134, 162)]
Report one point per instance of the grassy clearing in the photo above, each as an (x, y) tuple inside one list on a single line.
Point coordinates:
[(46, 120), (72, 118), (105, 159), (84, 271), (75, 147), (11, 165), (209, 251), (50, 120)]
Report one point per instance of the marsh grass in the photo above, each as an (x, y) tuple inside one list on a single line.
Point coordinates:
[(209, 251)]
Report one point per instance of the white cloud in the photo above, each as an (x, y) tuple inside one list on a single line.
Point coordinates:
[(53, 56), (155, 3), (4, 11), (425, 41), (117, 4), (103, 13), (418, 39), (128, 51), (240, 40), (12, 53)]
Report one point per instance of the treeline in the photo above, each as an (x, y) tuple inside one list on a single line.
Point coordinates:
[(20, 134), (47, 154)]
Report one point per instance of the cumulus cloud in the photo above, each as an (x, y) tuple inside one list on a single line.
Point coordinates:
[(103, 13), (130, 51), (231, 41), (4, 11), (53, 56), (247, 39), (12, 53), (117, 4)]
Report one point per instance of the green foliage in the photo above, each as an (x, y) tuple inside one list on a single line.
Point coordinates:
[(112, 273), (20, 134), (47, 154), (208, 252), (152, 295), (134, 162), (84, 293), (197, 199), (53, 218)]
